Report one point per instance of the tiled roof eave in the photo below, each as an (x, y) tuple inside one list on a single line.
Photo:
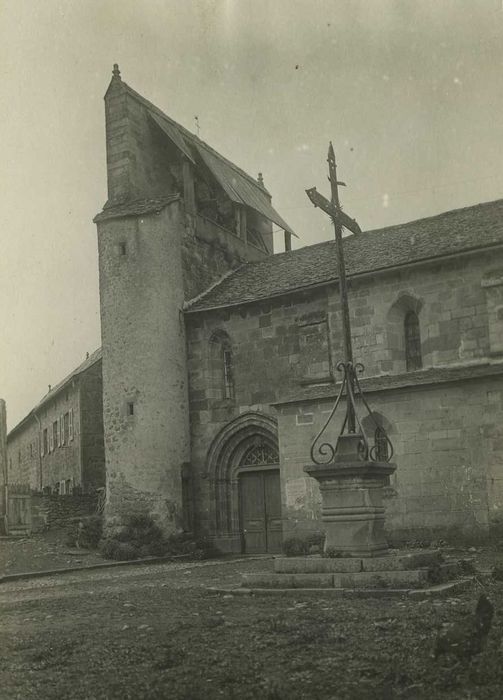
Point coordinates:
[(411, 380), (333, 280)]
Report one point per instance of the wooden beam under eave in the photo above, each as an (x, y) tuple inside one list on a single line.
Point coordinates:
[(288, 241)]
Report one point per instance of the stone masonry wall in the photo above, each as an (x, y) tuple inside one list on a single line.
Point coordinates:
[(24, 460), (54, 512), (30, 463), (448, 442), (144, 365), (140, 161), (3, 463), (280, 345), (209, 252), (93, 446)]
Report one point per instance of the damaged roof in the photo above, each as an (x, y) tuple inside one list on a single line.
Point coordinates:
[(238, 185), (470, 228)]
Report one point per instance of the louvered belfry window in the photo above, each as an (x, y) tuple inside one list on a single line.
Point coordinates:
[(413, 359)]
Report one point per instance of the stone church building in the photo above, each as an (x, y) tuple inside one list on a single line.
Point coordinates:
[(219, 355)]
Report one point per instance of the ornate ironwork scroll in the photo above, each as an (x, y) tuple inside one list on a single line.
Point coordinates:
[(323, 451)]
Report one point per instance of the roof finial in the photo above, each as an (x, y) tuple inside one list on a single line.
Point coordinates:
[(260, 179), (116, 72)]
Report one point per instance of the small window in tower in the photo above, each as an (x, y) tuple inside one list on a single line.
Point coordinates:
[(122, 248), (413, 357), (130, 408)]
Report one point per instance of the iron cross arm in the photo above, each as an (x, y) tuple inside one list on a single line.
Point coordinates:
[(325, 205)]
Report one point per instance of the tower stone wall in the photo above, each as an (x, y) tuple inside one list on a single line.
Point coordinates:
[(157, 249), (144, 364)]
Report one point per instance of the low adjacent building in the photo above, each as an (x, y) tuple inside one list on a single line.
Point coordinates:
[(58, 447)]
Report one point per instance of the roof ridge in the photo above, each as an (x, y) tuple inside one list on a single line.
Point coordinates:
[(441, 214), (94, 357), (193, 137)]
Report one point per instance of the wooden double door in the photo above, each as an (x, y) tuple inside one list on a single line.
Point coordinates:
[(260, 511)]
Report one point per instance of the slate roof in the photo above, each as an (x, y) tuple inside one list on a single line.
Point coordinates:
[(470, 228), (136, 207), (94, 357), (239, 186)]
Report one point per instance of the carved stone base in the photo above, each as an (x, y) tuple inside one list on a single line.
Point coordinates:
[(352, 506)]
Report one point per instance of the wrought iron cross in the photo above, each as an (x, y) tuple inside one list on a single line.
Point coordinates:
[(353, 444)]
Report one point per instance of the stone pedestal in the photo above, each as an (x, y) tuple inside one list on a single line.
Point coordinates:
[(352, 506)]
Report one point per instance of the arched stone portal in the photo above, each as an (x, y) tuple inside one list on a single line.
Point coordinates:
[(243, 468)]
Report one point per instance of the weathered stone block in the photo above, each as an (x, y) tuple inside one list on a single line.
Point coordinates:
[(288, 580), (309, 565)]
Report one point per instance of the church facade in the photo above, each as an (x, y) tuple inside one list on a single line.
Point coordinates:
[(219, 356)]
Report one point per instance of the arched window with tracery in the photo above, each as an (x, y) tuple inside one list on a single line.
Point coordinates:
[(260, 454), (221, 366), (413, 359), (381, 445)]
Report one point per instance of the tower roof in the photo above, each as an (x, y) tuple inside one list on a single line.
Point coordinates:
[(240, 187)]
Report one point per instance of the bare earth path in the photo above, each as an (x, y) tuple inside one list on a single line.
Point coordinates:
[(157, 632)]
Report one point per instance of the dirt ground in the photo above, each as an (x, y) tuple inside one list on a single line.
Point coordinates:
[(158, 632), (46, 551)]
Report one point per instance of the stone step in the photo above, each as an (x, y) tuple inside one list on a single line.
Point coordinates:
[(359, 579), (392, 562), (267, 580)]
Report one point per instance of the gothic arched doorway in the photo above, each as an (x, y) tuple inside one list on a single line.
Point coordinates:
[(243, 468), (260, 500)]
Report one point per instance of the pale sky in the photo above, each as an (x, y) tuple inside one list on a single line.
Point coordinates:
[(410, 93)]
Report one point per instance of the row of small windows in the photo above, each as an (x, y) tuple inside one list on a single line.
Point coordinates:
[(59, 434)]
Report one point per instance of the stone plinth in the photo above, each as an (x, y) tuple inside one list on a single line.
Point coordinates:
[(414, 573), (352, 506)]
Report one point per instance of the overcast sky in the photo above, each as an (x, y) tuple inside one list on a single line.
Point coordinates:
[(410, 92)]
